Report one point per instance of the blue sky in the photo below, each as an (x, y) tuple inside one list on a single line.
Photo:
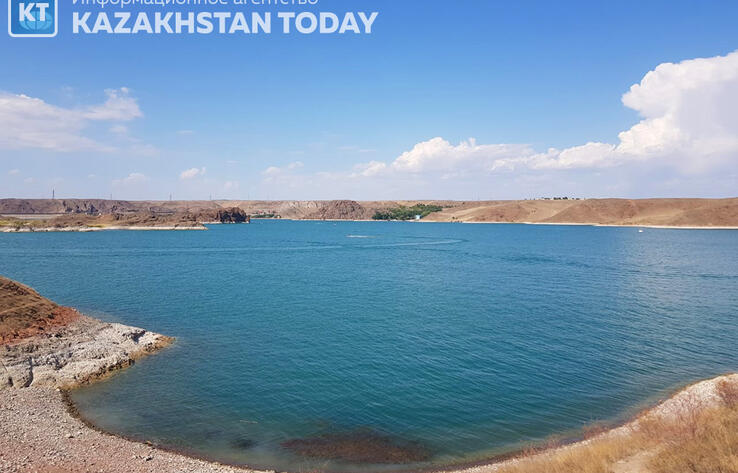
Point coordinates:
[(331, 116)]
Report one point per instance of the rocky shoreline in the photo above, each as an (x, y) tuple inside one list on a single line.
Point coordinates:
[(78, 353), (47, 349)]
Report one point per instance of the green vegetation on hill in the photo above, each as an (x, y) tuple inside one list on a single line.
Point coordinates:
[(407, 213)]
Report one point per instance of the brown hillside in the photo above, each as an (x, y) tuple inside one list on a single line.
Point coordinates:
[(24, 313), (666, 212), (341, 210)]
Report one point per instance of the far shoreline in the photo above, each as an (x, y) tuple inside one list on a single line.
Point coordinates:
[(552, 224), (205, 225), (667, 213)]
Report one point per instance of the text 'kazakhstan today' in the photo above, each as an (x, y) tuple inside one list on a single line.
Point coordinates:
[(222, 23)]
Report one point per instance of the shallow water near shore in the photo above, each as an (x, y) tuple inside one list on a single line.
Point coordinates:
[(354, 346)]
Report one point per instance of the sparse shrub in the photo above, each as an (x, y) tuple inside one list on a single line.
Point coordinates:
[(728, 393), (713, 448)]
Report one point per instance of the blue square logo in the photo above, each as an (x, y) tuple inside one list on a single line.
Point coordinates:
[(33, 19)]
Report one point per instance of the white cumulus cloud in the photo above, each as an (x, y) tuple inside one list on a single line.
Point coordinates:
[(28, 122), (689, 121), (440, 155)]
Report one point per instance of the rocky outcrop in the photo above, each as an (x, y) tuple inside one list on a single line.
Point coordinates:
[(229, 215), (340, 210), (233, 215), (78, 353), (45, 344)]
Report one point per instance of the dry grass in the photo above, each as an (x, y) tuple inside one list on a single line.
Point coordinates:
[(693, 438), (597, 457), (712, 447)]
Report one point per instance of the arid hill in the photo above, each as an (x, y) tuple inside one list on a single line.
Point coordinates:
[(657, 212), (82, 216), (98, 206), (24, 312), (341, 210)]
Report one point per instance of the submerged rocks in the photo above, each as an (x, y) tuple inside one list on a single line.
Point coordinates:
[(243, 443), (361, 446)]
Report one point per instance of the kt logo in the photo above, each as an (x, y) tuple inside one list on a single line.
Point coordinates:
[(27, 19)]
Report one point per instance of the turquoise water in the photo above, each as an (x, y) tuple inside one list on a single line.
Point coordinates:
[(465, 340)]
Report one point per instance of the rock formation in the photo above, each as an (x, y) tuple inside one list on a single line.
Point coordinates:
[(44, 344), (340, 210)]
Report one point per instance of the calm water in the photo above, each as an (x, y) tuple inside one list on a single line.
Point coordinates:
[(467, 339)]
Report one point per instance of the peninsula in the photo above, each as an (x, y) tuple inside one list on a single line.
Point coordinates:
[(85, 216)]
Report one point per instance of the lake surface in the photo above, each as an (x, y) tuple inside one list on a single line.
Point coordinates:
[(455, 341)]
